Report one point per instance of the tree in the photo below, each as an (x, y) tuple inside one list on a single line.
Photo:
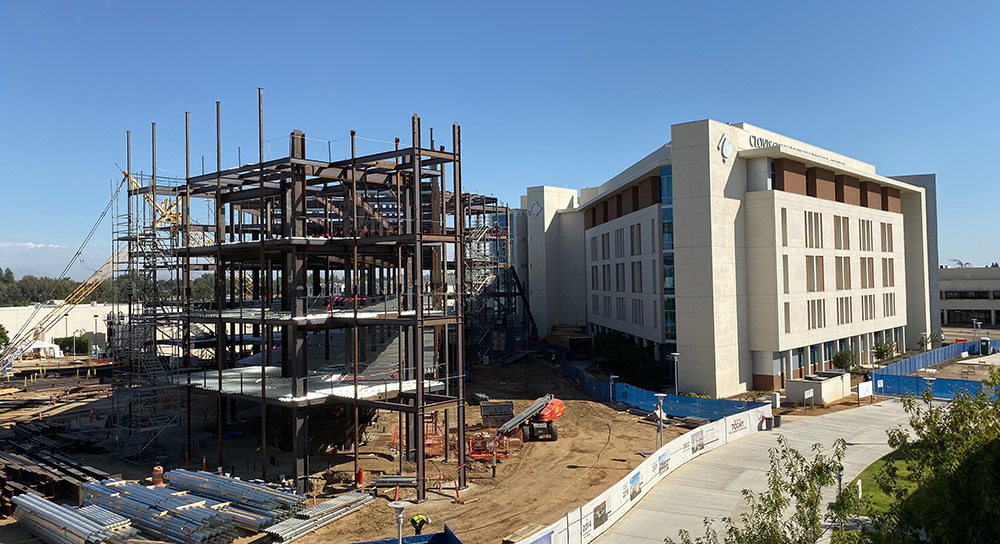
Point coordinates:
[(929, 341), (4, 339), (953, 455), (8, 276), (962, 264), (844, 359), (883, 350), (794, 483)]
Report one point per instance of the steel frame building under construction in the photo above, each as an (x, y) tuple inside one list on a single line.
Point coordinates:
[(279, 236)]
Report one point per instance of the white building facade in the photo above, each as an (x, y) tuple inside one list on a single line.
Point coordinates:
[(753, 255)]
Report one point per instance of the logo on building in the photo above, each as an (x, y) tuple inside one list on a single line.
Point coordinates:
[(725, 147)]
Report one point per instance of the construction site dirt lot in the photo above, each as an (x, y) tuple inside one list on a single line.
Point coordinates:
[(973, 369), (538, 484)]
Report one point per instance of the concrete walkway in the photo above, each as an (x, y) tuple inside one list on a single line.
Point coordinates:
[(711, 485)]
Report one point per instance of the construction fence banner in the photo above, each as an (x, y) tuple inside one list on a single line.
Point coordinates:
[(895, 379), (584, 524)]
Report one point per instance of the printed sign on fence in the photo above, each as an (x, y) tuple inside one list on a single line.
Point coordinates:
[(808, 394), (864, 389), (880, 384)]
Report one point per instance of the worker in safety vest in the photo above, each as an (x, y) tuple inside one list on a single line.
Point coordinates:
[(418, 521)]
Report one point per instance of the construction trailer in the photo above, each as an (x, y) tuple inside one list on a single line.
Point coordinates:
[(385, 232)]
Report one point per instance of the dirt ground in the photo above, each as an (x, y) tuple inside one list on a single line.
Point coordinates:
[(970, 368), (538, 484)]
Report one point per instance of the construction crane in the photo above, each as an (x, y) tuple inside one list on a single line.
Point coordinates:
[(166, 213)]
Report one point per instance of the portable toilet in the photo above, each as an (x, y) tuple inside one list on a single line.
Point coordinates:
[(984, 346)]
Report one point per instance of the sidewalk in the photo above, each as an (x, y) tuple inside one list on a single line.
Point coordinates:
[(711, 485)]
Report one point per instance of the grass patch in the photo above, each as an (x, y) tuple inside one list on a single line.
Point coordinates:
[(870, 489)]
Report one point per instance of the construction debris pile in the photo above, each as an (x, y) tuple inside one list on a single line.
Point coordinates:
[(57, 524)]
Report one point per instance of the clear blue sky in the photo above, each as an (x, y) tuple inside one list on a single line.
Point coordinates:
[(547, 93)]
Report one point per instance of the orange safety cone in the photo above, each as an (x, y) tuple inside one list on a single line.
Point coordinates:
[(457, 498), (395, 495)]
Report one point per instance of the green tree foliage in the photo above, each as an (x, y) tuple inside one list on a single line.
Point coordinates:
[(883, 350), (953, 454), (66, 343), (791, 510), (844, 359), (4, 338)]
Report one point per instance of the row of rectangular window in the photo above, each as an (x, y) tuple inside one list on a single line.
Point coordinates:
[(970, 295), (603, 242), (816, 310), (638, 314), (841, 232), (815, 273), (601, 277)]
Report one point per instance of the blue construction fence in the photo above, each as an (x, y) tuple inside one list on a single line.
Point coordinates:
[(895, 379), (674, 405)]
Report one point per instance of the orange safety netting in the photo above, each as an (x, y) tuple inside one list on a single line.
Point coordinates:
[(433, 439)]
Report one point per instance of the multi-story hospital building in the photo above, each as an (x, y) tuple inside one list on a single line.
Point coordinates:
[(753, 256)]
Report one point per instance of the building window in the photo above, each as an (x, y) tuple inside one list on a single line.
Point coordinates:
[(784, 272), (841, 232), (606, 246), (844, 310), (888, 273), (843, 273), (670, 318), (606, 283), (865, 229), (595, 304), (593, 277), (889, 304), (666, 185), (636, 276), (887, 237), (619, 243), (637, 311), (620, 308), (867, 272), (817, 314), (814, 273), (814, 229), (668, 273), (607, 306), (788, 317), (668, 229), (620, 277), (867, 307), (784, 227), (593, 248), (635, 233), (772, 173)]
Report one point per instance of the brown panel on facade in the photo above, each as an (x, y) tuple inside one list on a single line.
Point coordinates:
[(628, 200), (798, 373), (602, 210), (766, 382), (648, 194), (848, 190), (790, 176), (871, 195), (820, 184), (588, 218), (890, 200), (614, 207)]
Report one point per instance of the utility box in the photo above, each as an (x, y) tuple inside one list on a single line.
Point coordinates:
[(775, 400), (984, 346)]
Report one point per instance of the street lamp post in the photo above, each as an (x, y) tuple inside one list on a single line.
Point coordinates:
[(66, 325), (611, 388), (676, 356), (398, 507), (95, 331), (659, 419)]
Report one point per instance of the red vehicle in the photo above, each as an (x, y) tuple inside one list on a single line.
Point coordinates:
[(536, 420)]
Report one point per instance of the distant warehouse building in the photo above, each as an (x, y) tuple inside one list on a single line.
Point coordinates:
[(753, 255), (970, 293)]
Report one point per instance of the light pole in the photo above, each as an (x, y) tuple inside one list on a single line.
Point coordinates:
[(398, 507), (840, 488), (66, 325), (95, 331), (930, 386), (611, 387), (659, 419), (676, 356)]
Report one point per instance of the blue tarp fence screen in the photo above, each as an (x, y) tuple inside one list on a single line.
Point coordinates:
[(674, 405), (895, 379)]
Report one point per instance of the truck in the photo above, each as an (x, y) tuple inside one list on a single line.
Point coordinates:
[(536, 420)]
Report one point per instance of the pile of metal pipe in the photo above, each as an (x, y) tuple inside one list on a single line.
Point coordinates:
[(108, 519), (256, 498), (164, 513), (57, 524), (310, 519)]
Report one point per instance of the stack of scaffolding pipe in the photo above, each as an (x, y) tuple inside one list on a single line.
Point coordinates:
[(108, 519), (310, 519), (166, 514), (57, 524), (237, 491)]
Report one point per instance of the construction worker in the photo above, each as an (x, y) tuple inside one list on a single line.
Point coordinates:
[(418, 521)]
